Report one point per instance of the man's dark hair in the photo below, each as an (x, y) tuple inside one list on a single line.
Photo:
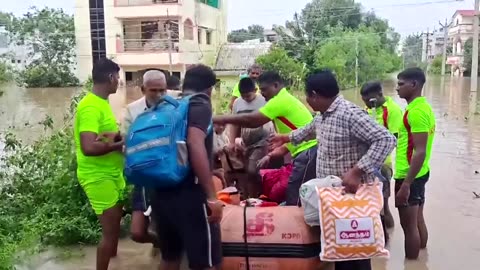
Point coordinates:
[(199, 78), (270, 77), (102, 69), (322, 83), (173, 82), (371, 88), (246, 85), (413, 74)]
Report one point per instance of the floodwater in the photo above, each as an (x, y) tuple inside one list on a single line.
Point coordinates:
[(452, 213)]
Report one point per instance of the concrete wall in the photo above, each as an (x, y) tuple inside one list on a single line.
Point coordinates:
[(203, 17), (83, 39)]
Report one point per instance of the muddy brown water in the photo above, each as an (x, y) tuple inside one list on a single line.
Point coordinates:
[(452, 214)]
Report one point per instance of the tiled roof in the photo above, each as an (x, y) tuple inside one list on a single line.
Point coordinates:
[(237, 57), (466, 12)]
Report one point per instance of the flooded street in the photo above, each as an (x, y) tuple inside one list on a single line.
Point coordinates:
[(452, 215)]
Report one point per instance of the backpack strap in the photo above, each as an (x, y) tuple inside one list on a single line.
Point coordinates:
[(188, 97)]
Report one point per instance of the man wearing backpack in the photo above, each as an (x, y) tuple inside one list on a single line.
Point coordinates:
[(188, 215)]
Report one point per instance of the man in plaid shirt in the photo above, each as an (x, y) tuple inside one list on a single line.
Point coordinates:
[(351, 145)]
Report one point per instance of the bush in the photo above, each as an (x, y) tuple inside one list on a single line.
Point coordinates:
[(292, 71), (5, 72), (43, 76), (42, 202)]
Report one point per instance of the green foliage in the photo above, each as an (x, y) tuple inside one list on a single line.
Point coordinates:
[(5, 72), (240, 35), (42, 202), (291, 70), (436, 65), (467, 57), (324, 34), (5, 19), (50, 33), (339, 54)]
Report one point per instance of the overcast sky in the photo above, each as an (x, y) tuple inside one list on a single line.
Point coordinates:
[(406, 19)]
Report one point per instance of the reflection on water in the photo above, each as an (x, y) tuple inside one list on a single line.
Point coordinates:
[(451, 212)]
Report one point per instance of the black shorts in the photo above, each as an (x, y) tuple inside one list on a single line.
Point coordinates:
[(417, 190), (182, 226)]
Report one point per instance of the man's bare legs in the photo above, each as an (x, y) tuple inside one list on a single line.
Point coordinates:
[(107, 248), (388, 215), (409, 222), (139, 228), (174, 265), (422, 228)]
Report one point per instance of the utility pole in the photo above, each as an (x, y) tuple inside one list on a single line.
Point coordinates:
[(169, 35), (427, 42), (356, 62), (474, 75), (445, 38)]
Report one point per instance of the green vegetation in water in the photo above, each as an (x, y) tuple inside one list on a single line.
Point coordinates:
[(42, 202)]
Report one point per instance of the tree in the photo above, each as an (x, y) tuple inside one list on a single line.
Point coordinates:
[(412, 50), (240, 35), (50, 34), (5, 19), (339, 54), (467, 57), (436, 65), (319, 16), (5, 72), (322, 22), (292, 71)]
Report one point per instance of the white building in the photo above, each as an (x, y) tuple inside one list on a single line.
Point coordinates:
[(432, 44), (16, 56), (460, 30), (144, 34)]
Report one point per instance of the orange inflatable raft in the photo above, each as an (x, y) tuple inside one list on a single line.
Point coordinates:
[(277, 238)]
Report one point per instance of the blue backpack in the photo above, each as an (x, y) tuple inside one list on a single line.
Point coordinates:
[(156, 153)]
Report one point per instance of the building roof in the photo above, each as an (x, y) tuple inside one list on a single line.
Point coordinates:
[(235, 58), (465, 12)]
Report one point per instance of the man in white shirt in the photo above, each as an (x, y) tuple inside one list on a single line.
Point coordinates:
[(153, 88), (251, 141)]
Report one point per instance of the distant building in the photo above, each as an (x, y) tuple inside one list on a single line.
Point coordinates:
[(271, 35), (460, 30), (146, 34), (235, 58), (17, 56), (433, 45)]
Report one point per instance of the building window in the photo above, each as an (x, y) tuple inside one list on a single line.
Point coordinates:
[(13, 61), (128, 76), (199, 34), (97, 29), (188, 29), (209, 37), (176, 74)]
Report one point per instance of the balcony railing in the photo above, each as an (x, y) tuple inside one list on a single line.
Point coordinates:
[(126, 3), (146, 45)]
